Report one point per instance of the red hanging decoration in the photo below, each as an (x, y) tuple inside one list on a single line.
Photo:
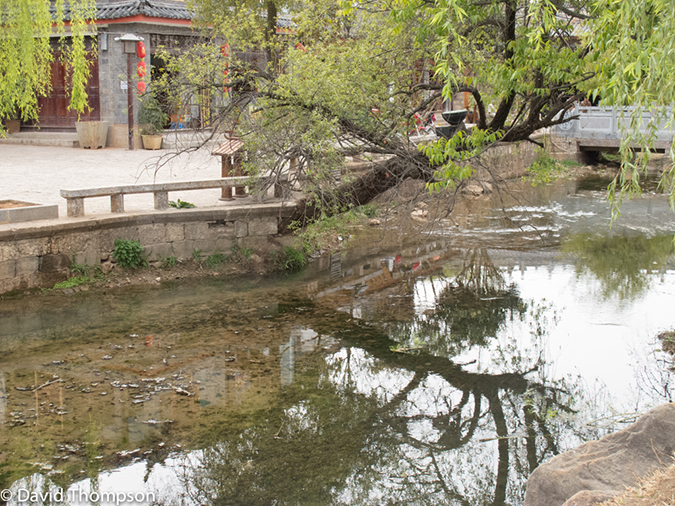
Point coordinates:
[(142, 69), (140, 86), (226, 53), (140, 49)]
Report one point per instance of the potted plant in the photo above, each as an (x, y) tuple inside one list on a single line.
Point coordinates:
[(152, 120), (13, 121)]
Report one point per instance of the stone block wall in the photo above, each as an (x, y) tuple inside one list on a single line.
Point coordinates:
[(40, 256), (508, 160), (113, 72)]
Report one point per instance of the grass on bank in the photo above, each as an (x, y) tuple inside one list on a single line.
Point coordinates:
[(657, 489), (330, 231), (546, 169), (81, 274)]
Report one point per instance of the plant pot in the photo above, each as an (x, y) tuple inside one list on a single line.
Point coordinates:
[(13, 126), (92, 134), (152, 141)]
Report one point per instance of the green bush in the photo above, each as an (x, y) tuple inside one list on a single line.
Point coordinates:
[(169, 262), (240, 254), (181, 204), (289, 259), (544, 169), (197, 256), (295, 260), (73, 282), (370, 210), (129, 253), (79, 269), (152, 116), (325, 232)]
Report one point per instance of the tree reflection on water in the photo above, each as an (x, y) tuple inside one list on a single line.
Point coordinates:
[(622, 264), (421, 378), (369, 424)]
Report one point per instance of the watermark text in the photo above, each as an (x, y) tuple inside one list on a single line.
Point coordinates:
[(75, 497)]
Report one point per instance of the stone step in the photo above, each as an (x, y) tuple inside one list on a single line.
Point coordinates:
[(40, 138)]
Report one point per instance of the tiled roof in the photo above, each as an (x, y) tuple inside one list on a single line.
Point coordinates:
[(285, 21), (166, 9), (152, 8)]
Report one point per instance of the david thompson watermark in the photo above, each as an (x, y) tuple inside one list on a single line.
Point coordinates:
[(55, 495)]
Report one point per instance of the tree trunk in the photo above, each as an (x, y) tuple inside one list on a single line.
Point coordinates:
[(382, 177), (506, 104), (271, 32)]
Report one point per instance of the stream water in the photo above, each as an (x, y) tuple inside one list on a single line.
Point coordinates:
[(413, 371)]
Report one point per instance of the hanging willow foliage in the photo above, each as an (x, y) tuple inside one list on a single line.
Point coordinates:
[(26, 54)]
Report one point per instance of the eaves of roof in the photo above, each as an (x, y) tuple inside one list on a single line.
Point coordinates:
[(164, 9), (228, 148), (151, 8)]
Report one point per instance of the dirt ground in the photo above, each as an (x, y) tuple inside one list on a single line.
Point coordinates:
[(13, 204)]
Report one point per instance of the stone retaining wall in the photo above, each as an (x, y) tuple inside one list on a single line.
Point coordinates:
[(509, 159), (38, 256), (33, 256)]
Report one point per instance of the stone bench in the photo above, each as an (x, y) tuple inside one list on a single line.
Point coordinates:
[(75, 198)]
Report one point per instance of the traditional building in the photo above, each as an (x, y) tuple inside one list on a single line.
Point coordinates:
[(166, 23), (158, 22)]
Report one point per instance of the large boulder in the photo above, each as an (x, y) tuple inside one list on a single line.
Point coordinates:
[(607, 466)]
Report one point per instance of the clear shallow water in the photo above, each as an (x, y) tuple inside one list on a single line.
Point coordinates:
[(437, 373)]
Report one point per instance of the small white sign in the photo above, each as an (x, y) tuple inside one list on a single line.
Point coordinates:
[(124, 85)]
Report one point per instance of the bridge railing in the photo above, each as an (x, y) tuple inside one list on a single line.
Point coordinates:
[(606, 123)]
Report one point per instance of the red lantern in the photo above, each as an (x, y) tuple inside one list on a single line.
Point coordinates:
[(141, 86), (226, 53), (140, 49), (142, 69)]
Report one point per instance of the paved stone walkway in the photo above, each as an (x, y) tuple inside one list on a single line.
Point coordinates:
[(37, 174)]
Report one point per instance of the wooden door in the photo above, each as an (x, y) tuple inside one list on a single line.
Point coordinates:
[(53, 109)]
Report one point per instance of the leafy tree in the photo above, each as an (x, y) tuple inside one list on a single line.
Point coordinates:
[(352, 77), (26, 53), (634, 65)]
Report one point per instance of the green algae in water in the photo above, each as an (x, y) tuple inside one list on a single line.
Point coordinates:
[(301, 394)]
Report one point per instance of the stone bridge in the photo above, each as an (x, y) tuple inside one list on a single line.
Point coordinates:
[(601, 128)]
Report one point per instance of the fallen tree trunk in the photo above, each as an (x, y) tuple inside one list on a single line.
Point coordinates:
[(382, 177)]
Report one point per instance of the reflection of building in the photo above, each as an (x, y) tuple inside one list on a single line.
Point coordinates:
[(301, 340), (220, 385), (377, 287)]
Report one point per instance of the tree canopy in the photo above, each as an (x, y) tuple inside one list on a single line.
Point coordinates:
[(633, 63), (354, 77), (348, 77)]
